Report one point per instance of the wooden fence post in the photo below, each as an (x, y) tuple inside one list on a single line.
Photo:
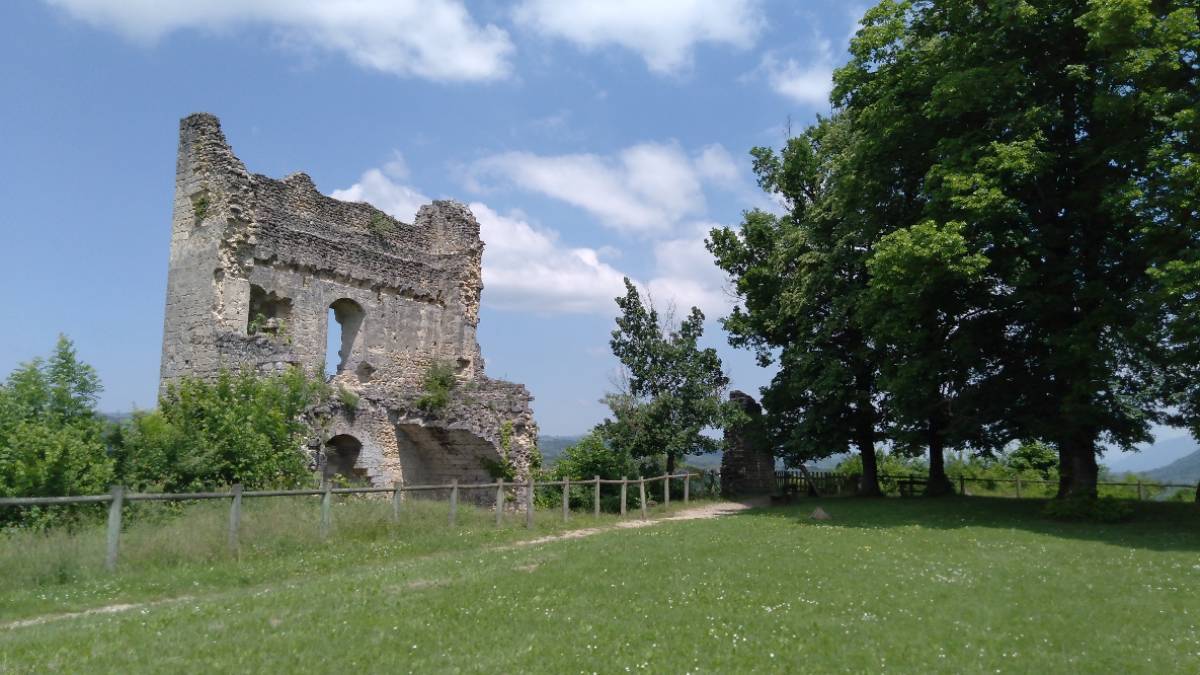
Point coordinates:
[(453, 500), (1018, 487), (642, 494), (499, 501), (114, 527), (687, 484), (529, 502), (326, 506), (235, 518), (667, 490), (397, 497), (625, 487), (962, 485), (566, 498), (1139, 487), (596, 499)]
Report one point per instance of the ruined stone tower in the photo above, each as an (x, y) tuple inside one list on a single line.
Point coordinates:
[(747, 465), (258, 268)]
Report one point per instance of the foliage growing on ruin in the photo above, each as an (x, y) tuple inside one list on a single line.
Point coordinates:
[(504, 467), (438, 383), (347, 398), (256, 324), (381, 224), (273, 327), (51, 437), (238, 428), (200, 206)]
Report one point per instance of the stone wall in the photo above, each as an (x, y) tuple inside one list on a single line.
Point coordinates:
[(256, 266), (747, 465)]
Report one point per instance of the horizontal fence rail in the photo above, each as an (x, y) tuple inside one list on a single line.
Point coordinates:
[(118, 496)]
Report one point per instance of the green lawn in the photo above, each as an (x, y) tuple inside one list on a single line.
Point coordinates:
[(953, 585)]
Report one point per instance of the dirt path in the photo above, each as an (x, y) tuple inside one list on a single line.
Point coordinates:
[(695, 513), (108, 609)]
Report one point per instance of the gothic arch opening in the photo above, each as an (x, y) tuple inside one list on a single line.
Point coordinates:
[(341, 456), (344, 324)]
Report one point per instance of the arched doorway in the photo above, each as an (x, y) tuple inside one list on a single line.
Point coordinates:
[(341, 456)]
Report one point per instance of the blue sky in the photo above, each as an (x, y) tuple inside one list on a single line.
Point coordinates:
[(592, 139)]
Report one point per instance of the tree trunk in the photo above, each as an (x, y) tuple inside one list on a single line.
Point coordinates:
[(1078, 470), (1065, 470), (1085, 472), (670, 472), (868, 485), (864, 432), (938, 484)]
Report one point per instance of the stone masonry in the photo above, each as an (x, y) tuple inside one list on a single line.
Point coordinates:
[(256, 266), (747, 466)]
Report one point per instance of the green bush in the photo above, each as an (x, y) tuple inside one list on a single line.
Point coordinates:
[(591, 457), (52, 441), (239, 428), (381, 224), (1101, 509), (438, 383)]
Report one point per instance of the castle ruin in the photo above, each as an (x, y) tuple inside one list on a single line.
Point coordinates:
[(261, 268), (747, 465)]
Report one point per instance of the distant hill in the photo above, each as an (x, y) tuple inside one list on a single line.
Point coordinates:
[(1183, 470), (552, 446), (1152, 457)]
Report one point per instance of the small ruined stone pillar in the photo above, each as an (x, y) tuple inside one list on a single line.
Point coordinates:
[(747, 467)]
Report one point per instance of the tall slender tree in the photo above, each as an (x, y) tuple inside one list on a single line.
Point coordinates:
[(674, 388), (801, 277)]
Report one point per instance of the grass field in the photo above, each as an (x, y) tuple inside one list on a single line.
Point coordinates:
[(952, 585)]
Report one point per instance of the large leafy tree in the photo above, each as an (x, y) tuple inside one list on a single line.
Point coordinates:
[(674, 389), (936, 339), (801, 278), (1061, 131), (1008, 217), (51, 438)]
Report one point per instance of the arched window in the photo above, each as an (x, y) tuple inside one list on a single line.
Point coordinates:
[(345, 320)]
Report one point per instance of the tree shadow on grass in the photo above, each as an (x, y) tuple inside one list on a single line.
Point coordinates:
[(1160, 526)]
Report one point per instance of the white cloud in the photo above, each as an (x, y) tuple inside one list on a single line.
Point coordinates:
[(646, 188), (806, 83), (525, 267), (431, 39), (716, 164), (381, 187), (663, 32), (687, 276)]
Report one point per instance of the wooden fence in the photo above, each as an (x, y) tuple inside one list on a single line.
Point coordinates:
[(118, 496), (793, 480)]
